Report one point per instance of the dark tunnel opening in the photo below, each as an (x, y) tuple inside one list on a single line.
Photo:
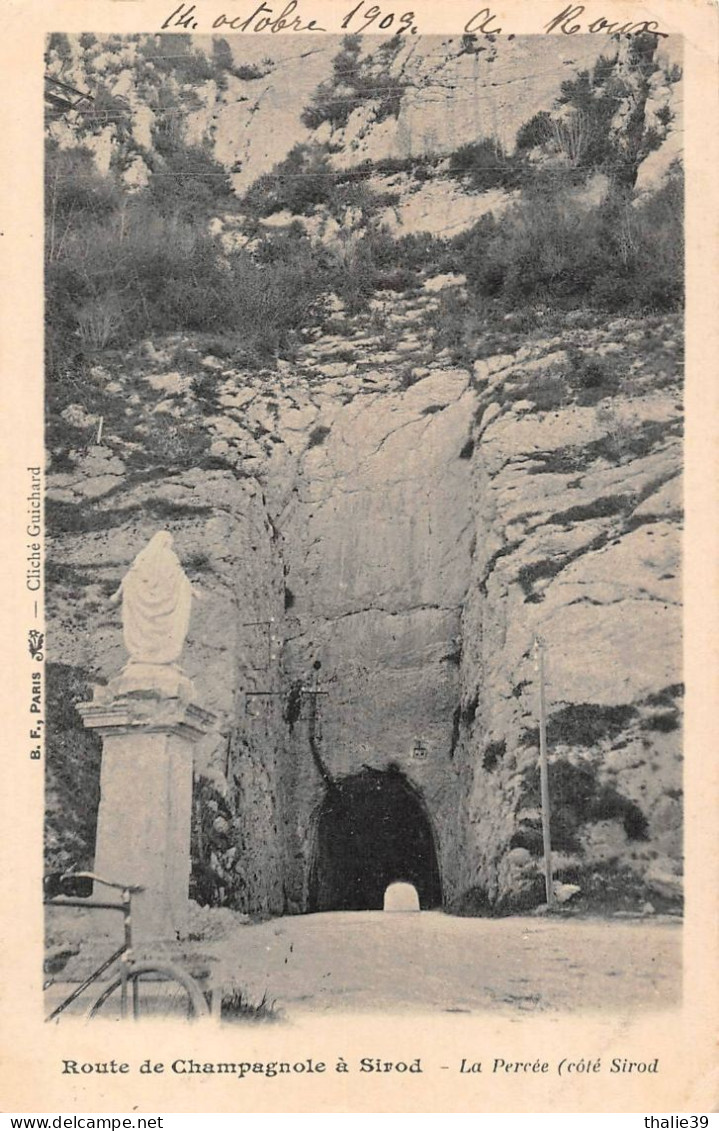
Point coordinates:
[(372, 830)]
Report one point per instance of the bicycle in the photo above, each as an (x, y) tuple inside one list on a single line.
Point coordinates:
[(151, 988)]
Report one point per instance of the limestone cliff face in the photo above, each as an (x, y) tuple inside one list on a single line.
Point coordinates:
[(420, 97), (578, 507), (398, 550), (382, 526)]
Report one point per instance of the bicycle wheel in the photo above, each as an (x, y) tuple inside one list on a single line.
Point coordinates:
[(152, 991)]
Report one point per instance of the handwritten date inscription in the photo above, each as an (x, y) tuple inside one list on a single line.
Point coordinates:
[(262, 18), (268, 19)]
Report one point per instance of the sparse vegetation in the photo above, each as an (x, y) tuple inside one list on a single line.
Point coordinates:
[(318, 436), (609, 886), (535, 132), (123, 266), (176, 55), (557, 251), (578, 797), (213, 881), (355, 82), (493, 754), (224, 64), (298, 184), (198, 562), (119, 269), (306, 181), (238, 1006)]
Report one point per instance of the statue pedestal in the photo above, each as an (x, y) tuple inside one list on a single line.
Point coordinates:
[(144, 821)]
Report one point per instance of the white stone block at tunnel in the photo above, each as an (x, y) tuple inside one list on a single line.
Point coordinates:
[(401, 897)]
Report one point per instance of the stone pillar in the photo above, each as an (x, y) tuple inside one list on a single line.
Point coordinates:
[(144, 822)]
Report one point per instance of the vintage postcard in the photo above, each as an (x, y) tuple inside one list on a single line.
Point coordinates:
[(359, 440)]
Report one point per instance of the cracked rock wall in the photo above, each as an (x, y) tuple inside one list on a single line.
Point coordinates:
[(577, 509)]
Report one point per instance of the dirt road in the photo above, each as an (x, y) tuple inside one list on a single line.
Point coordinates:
[(370, 960), (352, 961)]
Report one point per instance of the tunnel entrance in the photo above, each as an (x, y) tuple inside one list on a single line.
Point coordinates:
[(372, 830)]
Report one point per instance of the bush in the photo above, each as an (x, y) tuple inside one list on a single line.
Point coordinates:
[(276, 301), (170, 443), (298, 184), (537, 131), (100, 321), (222, 56), (329, 102), (212, 882), (249, 73), (556, 250), (175, 54), (73, 186), (306, 180), (370, 263), (485, 165), (107, 109), (579, 131), (665, 115), (188, 182), (583, 134), (578, 798), (422, 251)]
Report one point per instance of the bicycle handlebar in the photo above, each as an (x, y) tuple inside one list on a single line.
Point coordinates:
[(106, 883)]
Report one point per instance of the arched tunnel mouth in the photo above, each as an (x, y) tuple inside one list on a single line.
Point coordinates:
[(372, 830)]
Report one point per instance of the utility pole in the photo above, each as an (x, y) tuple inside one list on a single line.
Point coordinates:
[(544, 772)]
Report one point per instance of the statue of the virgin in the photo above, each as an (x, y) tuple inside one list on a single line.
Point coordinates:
[(156, 600)]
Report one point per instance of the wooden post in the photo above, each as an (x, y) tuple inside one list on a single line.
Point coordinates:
[(544, 774)]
